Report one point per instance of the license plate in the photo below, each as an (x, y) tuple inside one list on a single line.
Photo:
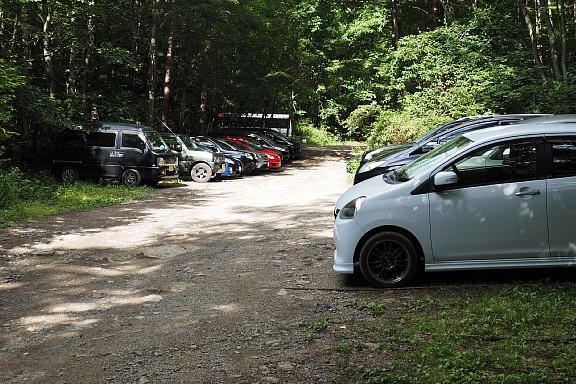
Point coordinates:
[(171, 168)]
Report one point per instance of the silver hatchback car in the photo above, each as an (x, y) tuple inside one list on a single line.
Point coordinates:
[(496, 198)]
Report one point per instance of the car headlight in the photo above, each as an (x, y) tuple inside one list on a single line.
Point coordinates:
[(350, 210), (161, 161)]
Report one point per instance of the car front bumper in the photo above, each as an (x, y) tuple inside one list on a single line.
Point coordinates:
[(347, 234)]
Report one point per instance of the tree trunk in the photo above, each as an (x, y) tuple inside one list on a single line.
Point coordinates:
[(533, 40), (168, 72), (563, 40), (152, 61), (203, 121), (547, 16), (396, 22), (136, 37), (3, 46), (88, 63), (437, 13), (46, 17), (183, 117)]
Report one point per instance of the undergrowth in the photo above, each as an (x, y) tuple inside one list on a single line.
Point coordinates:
[(521, 334), (27, 197)]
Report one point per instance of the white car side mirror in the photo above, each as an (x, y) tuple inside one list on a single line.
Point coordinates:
[(445, 178)]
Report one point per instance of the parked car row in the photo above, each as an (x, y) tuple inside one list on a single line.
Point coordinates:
[(381, 160), (136, 154), (492, 198)]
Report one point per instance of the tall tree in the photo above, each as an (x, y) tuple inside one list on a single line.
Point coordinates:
[(168, 71), (152, 64)]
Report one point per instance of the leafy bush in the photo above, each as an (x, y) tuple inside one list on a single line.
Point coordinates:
[(314, 135), (9, 186), (360, 121)]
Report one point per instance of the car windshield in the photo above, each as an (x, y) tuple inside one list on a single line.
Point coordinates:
[(430, 160), (226, 146), (272, 133), (254, 144), (155, 140), (189, 143), (263, 140)]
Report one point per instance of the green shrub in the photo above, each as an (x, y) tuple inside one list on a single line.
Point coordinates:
[(315, 136), (9, 185)]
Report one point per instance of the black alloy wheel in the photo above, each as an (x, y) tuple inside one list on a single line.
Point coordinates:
[(388, 260)]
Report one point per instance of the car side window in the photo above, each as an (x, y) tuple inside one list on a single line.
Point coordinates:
[(564, 157), (101, 139), (131, 140), (501, 163)]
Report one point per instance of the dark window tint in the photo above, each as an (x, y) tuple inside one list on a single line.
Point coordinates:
[(564, 158), (101, 139), (131, 140), (521, 161)]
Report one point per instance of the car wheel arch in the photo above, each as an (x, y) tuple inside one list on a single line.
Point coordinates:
[(390, 228)]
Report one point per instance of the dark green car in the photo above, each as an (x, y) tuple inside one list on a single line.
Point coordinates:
[(195, 162)]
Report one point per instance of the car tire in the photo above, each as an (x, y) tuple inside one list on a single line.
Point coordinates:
[(131, 178), (216, 177), (69, 174), (201, 173), (388, 260)]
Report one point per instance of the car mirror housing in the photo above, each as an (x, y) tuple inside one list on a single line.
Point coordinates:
[(445, 178)]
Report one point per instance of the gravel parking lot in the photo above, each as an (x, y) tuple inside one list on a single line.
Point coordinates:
[(200, 283), (225, 282)]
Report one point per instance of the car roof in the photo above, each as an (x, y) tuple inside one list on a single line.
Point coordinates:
[(473, 124), (567, 118), (528, 128), (113, 125)]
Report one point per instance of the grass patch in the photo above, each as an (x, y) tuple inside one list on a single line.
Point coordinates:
[(29, 198), (520, 334)]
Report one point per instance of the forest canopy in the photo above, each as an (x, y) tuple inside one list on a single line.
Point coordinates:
[(376, 70)]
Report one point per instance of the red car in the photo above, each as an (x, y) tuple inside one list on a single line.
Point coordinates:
[(274, 159)]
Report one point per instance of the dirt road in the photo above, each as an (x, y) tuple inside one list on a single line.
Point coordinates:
[(200, 283)]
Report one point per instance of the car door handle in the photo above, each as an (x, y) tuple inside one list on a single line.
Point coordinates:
[(532, 192)]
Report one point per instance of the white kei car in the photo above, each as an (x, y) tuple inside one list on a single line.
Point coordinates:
[(496, 198)]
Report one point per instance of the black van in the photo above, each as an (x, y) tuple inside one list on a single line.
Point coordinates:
[(132, 154)]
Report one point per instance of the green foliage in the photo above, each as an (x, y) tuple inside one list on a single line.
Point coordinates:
[(24, 198), (9, 187), (361, 120), (446, 71), (400, 128), (10, 80), (315, 136), (335, 61)]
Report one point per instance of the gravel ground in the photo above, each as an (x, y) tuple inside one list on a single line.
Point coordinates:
[(200, 283), (225, 282)]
